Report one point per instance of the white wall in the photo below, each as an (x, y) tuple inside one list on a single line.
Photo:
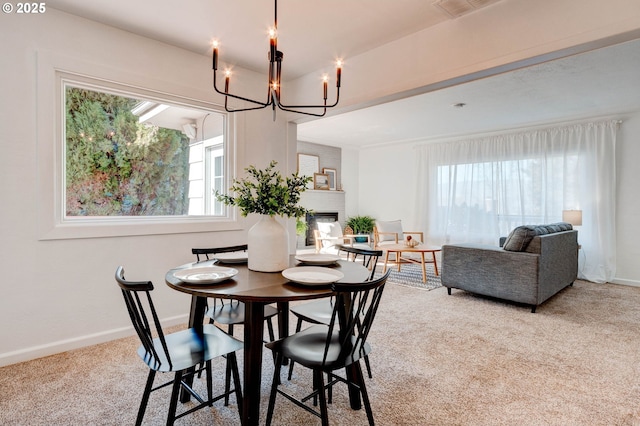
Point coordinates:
[(350, 180), (388, 188), (387, 184), (628, 201), (60, 294)]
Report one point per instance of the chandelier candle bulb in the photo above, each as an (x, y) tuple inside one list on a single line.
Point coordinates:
[(272, 45), (338, 73), (324, 85), (226, 82), (215, 55)]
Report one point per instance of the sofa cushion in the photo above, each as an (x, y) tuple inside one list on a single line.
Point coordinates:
[(394, 226), (558, 227), (519, 238)]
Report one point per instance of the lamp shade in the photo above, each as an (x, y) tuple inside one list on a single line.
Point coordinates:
[(573, 217)]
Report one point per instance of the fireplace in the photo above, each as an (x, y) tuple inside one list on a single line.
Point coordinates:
[(315, 217)]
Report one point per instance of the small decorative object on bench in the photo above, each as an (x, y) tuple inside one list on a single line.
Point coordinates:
[(410, 242), (535, 263)]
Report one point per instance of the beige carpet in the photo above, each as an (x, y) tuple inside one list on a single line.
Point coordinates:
[(437, 360)]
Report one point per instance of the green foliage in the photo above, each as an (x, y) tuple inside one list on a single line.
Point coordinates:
[(117, 166), (267, 192), (361, 224), (301, 226)]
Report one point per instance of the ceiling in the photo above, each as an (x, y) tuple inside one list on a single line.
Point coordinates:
[(310, 38), (589, 84), (602, 82)]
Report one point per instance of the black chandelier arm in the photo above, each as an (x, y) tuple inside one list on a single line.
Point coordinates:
[(305, 112), (226, 94), (325, 106), (226, 108)]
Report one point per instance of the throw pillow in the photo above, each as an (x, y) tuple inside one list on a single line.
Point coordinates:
[(519, 238), (394, 226)]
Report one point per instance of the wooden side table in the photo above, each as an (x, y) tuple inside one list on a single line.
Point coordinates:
[(398, 249)]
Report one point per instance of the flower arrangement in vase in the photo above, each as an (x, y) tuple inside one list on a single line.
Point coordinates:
[(267, 193)]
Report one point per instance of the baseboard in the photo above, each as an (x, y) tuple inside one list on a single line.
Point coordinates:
[(34, 352), (622, 281)]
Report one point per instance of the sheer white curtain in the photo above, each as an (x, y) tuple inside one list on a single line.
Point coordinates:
[(479, 190)]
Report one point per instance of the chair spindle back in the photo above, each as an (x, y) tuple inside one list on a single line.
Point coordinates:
[(353, 314), (131, 291)]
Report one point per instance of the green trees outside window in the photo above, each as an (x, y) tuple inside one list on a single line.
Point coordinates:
[(119, 163)]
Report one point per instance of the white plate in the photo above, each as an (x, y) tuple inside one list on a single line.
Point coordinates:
[(318, 258), (200, 264), (232, 257), (312, 275), (205, 274)]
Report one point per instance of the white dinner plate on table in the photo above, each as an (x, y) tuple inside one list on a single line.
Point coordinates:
[(232, 257), (205, 274), (318, 258), (200, 264), (312, 275)]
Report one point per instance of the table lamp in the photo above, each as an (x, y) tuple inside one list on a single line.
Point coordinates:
[(574, 217)]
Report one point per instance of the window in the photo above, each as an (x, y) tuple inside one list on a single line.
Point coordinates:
[(126, 156), (478, 201), (478, 190), (170, 200)]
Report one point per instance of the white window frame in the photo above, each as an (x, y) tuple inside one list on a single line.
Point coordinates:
[(53, 72), (210, 150)]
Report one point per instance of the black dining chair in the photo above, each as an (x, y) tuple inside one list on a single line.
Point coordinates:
[(231, 312), (326, 348), (319, 311), (182, 353)]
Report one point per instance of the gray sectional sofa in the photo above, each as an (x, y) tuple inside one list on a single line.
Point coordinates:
[(535, 263)]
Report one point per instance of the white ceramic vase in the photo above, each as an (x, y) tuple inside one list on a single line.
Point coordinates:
[(268, 246)]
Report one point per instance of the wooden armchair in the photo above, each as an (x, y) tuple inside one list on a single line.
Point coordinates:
[(386, 233), (328, 235)]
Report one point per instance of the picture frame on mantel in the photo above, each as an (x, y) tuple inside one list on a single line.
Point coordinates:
[(333, 174), (308, 165), (321, 181)]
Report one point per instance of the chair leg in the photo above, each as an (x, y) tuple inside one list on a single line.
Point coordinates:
[(236, 380), (173, 404), (209, 382), (145, 397), (316, 385), (272, 336), (298, 327), (318, 380), (364, 394), (227, 381), (227, 376), (368, 365), (274, 388)]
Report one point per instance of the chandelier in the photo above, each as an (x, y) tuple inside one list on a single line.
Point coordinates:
[(275, 87)]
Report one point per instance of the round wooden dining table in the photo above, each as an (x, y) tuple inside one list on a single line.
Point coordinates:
[(255, 289)]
